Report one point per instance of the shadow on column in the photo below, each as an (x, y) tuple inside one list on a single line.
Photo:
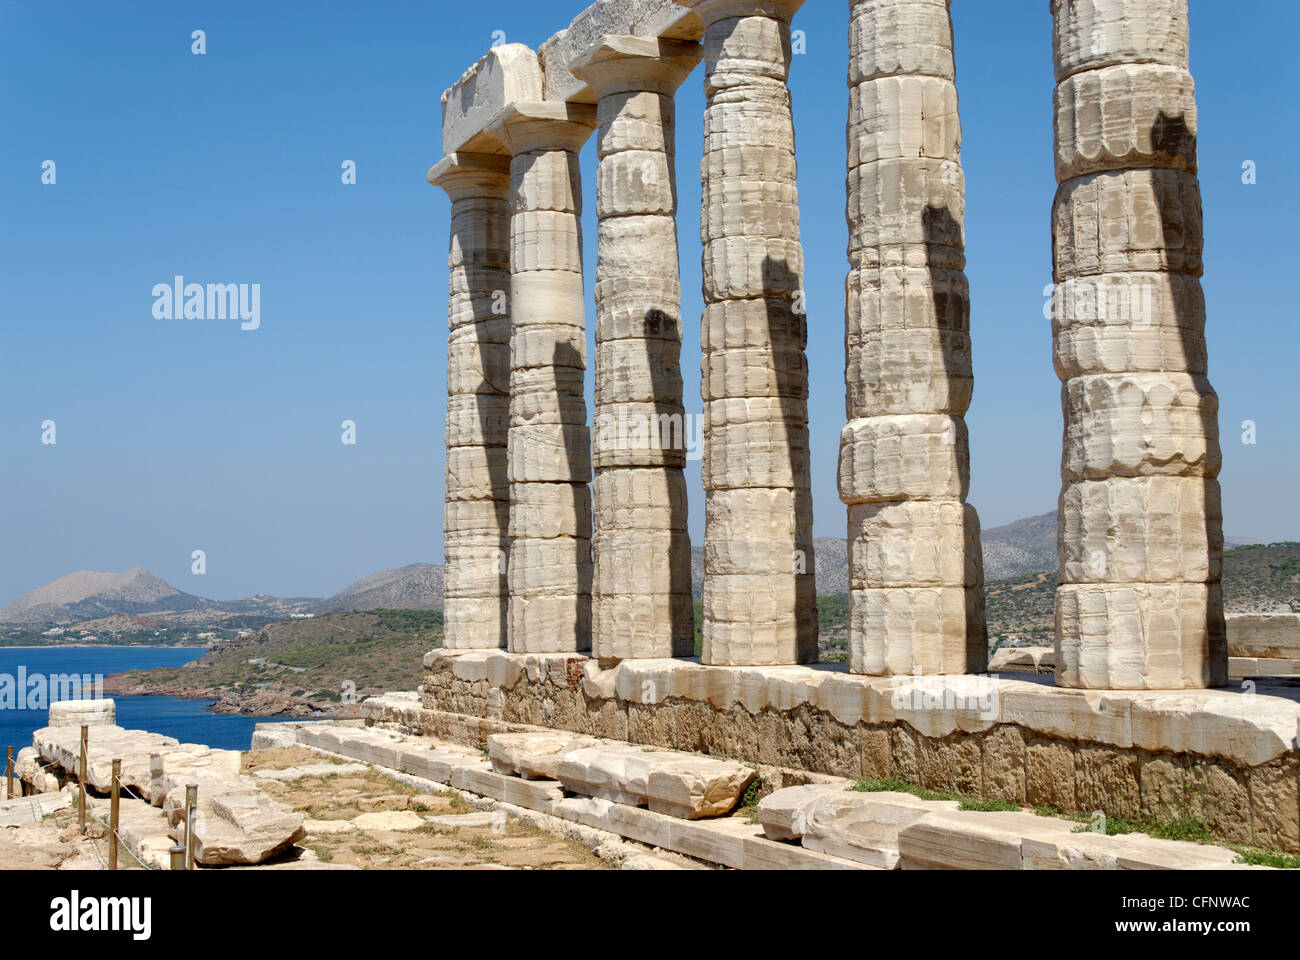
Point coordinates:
[(945, 256), (787, 331), (1171, 136), (667, 390), (576, 437)]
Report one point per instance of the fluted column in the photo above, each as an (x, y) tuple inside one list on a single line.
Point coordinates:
[(641, 592), (915, 564), (759, 591), (1141, 540), (477, 507), (549, 441)]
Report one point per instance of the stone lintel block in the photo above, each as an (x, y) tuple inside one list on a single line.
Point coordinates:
[(543, 126), (714, 11), (1269, 635), (629, 64), (902, 457), (1100, 33), (1140, 636), (1128, 115), (507, 73), (641, 18), (893, 37), (1143, 530), (1140, 425)]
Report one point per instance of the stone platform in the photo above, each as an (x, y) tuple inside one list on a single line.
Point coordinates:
[(1229, 758)]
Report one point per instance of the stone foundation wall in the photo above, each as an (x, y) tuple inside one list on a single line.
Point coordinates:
[(1226, 758)]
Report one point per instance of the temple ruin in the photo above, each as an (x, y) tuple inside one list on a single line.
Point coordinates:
[(568, 557)]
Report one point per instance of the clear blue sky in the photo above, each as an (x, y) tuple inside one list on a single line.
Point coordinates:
[(176, 435)]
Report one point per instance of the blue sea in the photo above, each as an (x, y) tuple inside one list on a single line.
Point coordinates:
[(185, 720)]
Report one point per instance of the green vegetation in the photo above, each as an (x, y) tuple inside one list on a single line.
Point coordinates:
[(329, 659), (753, 793), (1268, 858), (897, 785), (1179, 828)]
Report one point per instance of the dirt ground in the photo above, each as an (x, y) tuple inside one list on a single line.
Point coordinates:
[(394, 831), (503, 843)]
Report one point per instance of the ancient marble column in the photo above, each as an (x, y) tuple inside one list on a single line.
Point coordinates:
[(477, 508), (759, 592), (549, 442), (1141, 540), (915, 564), (641, 591)]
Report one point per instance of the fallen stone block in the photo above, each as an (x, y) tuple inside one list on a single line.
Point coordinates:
[(1273, 636), (272, 736), (1023, 660), (75, 713), (1132, 851), (864, 826), (959, 840), (533, 756), (784, 813), (678, 784)]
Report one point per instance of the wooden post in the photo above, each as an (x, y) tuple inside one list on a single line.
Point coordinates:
[(191, 810), (9, 773), (116, 796), (81, 780)]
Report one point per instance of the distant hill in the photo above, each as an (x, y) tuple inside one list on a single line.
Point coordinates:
[(1021, 547), (92, 595), (1256, 578), (417, 586)]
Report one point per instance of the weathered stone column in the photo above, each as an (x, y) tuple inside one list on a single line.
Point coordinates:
[(915, 564), (1141, 537), (759, 591), (477, 508), (549, 443), (641, 594)]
